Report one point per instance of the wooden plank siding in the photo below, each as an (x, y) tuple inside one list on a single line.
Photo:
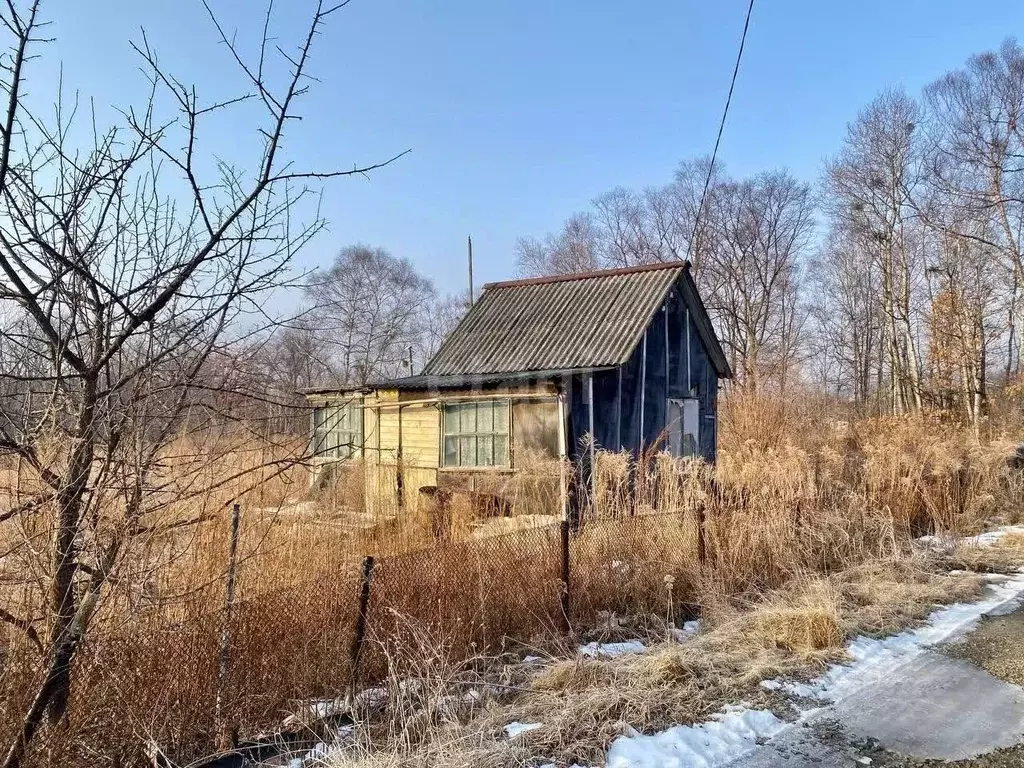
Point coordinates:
[(419, 444), (411, 421)]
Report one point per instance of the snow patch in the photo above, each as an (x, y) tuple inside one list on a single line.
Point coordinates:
[(321, 751), (875, 660), (316, 756), (989, 538), (689, 629), (516, 728), (612, 649), (986, 539), (731, 735)]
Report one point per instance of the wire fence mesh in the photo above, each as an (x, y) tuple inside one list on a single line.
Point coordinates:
[(149, 684)]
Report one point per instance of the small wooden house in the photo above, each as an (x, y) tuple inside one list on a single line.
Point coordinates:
[(627, 356)]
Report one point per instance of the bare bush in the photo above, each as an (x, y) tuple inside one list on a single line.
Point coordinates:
[(128, 267)]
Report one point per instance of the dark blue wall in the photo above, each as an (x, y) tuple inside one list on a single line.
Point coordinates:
[(659, 369)]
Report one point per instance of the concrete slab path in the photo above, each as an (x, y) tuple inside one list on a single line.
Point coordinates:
[(934, 707)]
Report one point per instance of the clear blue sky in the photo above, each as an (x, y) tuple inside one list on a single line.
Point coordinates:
[(519, 113)]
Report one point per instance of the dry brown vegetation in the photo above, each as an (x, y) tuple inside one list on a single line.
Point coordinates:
[(583, 703), (809, 533), (806, 538)]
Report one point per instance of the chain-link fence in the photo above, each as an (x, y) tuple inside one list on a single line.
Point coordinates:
[(153, 683)]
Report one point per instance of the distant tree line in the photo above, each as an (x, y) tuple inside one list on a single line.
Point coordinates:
[(895, 282)]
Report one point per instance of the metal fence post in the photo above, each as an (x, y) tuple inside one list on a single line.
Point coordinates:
[(225, 733), (364, 604), (564, 603)]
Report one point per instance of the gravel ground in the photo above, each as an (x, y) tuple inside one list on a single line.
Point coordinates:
[(996, 647), (831, 733), (1002, 758)]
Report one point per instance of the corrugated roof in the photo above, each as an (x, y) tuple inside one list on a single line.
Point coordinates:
[(587, 320)]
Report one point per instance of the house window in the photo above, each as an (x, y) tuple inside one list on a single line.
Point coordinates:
[(337, 430), (476, 434), (684, 426)]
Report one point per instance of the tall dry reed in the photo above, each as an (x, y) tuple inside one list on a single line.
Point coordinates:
[(797, 492)]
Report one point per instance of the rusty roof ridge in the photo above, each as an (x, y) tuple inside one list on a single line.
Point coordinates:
[(587, 275)]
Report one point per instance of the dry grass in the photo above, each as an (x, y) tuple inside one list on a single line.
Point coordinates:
[(809, 528), (805, 623), (584, 703), (806, 525)]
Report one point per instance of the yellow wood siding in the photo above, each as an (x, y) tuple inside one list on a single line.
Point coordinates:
[(420, 437)]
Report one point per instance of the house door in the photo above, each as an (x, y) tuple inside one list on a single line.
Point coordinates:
[(684, 426)]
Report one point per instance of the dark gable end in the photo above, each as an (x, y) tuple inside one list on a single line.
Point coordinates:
[(570, 322), (700, 318)]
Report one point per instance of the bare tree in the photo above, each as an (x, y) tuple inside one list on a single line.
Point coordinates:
[(296, 357), (640, 228), (844, 284), (869, 189), (439, 318), (978, 169), (747, 245), (752, 272), (369, 308), (127, 267), (915, 297), (577, 248), (692, 200)]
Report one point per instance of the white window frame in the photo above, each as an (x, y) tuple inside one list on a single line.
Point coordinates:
[(337, 430), (497, 438)]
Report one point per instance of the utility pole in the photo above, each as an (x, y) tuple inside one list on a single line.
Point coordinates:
[(469, 241)]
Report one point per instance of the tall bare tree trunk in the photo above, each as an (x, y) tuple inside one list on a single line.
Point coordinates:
[(897, 401)]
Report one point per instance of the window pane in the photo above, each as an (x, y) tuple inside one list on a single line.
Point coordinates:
[(467, 424), (501, 450), (470, 430), (318, 417), (501, 416), (485, 417), (467, 451), (451, 451), (485, 451), (675, 427), (451, 419), (691, 426)]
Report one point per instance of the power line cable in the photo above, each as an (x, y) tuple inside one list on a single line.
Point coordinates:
[(721, 128)]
